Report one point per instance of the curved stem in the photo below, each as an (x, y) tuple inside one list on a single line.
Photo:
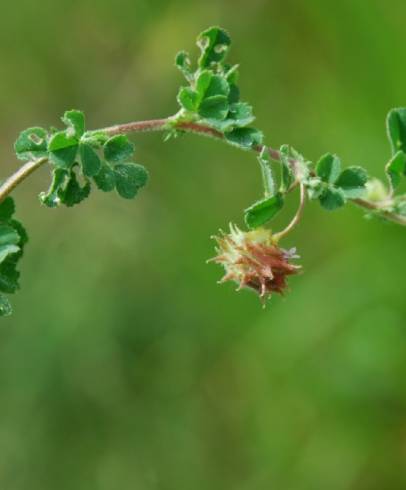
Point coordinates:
[(22, 173), (296, 219), (191, 127)]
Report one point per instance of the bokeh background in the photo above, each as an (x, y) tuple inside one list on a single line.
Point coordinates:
[(125, 365)]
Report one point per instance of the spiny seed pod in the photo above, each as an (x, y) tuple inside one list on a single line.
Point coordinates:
[(253, 260)]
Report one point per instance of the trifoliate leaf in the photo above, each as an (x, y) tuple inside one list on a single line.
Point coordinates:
[(105, 179), (63, 149), (395, 168), (328, 168), (31, 144), (396, 128), (5, 306), (13, 237), (7, 209), (188, 99), (118, 149), (245, 138), (182, 61), (51, 197), (263, 211), (130, 177), (215, 107), (214, 44), (90, 160), (332, 198), (287, 175), (75, 120), (352, 182), (74, 193)]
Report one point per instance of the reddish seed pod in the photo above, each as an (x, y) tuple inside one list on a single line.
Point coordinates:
[(254, 260)]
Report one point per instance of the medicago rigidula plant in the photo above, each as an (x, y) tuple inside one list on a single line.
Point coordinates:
[(210, 105)]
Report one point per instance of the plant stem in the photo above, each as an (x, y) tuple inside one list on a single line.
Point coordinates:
[(22, 173), (297, 216), (164, 125)]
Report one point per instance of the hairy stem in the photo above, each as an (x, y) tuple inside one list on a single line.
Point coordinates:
[(191, 127)]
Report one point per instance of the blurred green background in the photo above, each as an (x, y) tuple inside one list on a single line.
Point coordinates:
[(125, 366)]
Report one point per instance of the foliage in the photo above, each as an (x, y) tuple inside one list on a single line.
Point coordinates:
[(212, 96), (79, 158), (210, 104)]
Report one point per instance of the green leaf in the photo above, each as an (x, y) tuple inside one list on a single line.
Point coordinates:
[(13, 237), (96, 139), (267, 178), (8, 235), (7, 209), (352, 182), (130, 177), (241, 114), (287, 176), (234, 95), (395, 168), (75, 120), (22, 233), (31, 144), (105, 179), (396, 128), (203, 82), (218, 86), (5, 306), (74, 193), (188, 99), (9, 275), (231, 73), (118, 149), (6, 250), (90, 160), (209, 85), (9, 240), (263, 211), (245, 138), (215, 107), (51, 197), (328, 168), (63, 149), (332, 198), (214, 44), (182, 61)]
